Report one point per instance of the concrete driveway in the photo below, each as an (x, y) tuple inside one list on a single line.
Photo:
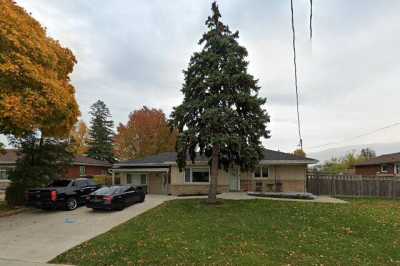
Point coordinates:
[(39, 236)]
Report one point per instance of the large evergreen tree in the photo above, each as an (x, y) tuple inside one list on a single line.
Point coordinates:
[(101, 133), (221, 115), (41, 160)]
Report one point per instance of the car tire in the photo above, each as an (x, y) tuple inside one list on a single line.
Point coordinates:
[(71, 204), (142, 198)]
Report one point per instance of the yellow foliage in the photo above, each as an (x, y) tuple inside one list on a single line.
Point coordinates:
[(80, 138), (300, 153), (35, 89)]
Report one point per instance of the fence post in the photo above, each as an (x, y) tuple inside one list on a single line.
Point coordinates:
[(393, 190)]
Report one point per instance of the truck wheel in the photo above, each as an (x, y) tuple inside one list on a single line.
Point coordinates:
[(71, 204), (142, 198)]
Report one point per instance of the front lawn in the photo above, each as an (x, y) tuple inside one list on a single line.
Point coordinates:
[(363, 232)]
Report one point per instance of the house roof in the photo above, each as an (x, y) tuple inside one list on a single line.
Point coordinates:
[(169, 158), (83, 160), (385, 158), (10, 156)]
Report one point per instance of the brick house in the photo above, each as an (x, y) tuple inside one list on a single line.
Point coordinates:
[(384, 165), (159, 174), (81, 166)]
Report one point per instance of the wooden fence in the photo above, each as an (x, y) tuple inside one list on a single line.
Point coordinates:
[(359, 186)]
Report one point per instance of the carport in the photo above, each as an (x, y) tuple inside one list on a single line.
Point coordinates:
[(155, 180)]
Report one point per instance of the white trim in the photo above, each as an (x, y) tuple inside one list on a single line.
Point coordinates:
[(91, 164), (141, 170), (395, 169), (189, 163), (166, 163), (287, 162), (140, 164)]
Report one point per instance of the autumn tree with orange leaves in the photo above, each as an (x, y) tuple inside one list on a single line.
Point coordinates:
[(146, 133), (35, 89), (79, 138)]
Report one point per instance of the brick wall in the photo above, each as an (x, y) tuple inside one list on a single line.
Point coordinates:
[(371, 169), (74, 172)]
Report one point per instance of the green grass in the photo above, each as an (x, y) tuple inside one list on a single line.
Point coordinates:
[(180, 232)]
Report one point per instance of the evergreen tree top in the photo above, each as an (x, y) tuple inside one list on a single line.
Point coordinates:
[(221, 103)]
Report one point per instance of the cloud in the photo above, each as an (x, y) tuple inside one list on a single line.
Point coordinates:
[(132, 53)]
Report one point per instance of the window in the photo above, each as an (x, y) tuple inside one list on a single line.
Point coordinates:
[(261, 172), (3, 174), (129, 178), (60, 183), (143, 179), (136, 179), (91, 182), (81, 183), (197, 175), (187, 175), (385, 168), (82, 170), (117, 179), (397, 169)]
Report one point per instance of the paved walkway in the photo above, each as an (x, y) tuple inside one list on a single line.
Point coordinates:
[(37, 236), (5, 262), (244, 196)]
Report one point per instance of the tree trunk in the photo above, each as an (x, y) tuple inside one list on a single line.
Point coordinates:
[(212, 192)]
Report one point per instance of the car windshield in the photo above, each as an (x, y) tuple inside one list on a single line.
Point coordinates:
[(108, 190), (59, 183)]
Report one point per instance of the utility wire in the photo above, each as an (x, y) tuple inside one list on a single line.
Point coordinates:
[(356, 137), (310, 19), (295, 76)]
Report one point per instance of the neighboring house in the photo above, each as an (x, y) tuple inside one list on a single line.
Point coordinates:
[(81, 166), (159, 174), (7, 162), (384, 165)]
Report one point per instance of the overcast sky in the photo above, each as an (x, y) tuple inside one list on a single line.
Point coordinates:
[(132, 53)]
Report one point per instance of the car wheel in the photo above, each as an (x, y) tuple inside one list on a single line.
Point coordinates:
[(71, 204), (142, 199)]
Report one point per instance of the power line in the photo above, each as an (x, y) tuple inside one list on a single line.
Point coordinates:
[(310, 19), (356, 137), (295, 76)]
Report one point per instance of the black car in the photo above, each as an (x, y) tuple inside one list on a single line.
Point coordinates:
[(115, 197), (61, 194)]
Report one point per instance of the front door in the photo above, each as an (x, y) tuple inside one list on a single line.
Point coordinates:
[(158, 183), (234, 179)]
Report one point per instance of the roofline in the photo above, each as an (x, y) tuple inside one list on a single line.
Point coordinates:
[(138, 170), (169, 163), (92, 164), (376, 163), (286, 162), (8, 162), (140, 164)]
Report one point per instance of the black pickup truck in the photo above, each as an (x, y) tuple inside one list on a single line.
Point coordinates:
[(61, 194)]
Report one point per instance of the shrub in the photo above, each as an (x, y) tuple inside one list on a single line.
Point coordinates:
[(103, 180), (15, 195)]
